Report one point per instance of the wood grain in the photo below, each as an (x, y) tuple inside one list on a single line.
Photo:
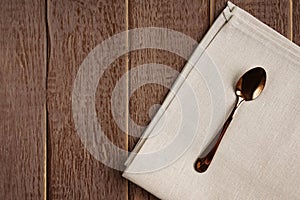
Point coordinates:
[(274, 13), (23, 92), (75, 28), (296, 21), (188, 17)]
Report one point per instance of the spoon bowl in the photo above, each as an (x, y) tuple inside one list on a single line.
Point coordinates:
[(251, 84)]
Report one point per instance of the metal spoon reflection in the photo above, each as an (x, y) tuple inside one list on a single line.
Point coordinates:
[(249, 87)]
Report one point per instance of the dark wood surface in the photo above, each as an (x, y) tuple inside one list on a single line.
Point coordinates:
[(22, 104), (43, 44), (75, 28)]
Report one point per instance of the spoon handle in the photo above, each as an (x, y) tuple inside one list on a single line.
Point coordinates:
[(202, 163)]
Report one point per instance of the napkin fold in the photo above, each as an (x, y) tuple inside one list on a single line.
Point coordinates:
[(259, 156)]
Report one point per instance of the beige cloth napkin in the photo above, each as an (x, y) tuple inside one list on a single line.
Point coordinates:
[(259, 156)]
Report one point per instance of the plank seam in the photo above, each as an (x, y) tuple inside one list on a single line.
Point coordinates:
[(211, 11), (291, 20), (47, 55), (127, 87)]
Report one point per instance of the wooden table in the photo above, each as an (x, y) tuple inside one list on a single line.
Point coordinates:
[(43, 44)]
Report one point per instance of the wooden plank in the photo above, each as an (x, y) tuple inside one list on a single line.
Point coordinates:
[(188, 17), (22, 90), (274, 13), (296, 21), (76, 27)]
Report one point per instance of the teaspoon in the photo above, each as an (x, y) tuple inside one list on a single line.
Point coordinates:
[(248, 88)]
